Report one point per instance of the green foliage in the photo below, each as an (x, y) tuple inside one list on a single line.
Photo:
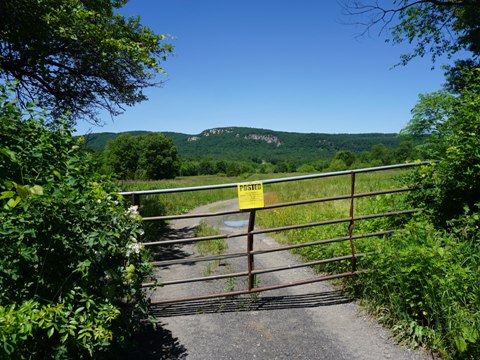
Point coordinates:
[(70, 261), (425, 282), (428, 118), (121, 156), (381, 155), (158, 157), (435, 27), (347, 157), (238, 151), (148, 156), (75, 323), (78, 56), (452, 184), (240, 145)]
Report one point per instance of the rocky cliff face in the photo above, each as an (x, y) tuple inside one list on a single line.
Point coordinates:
[(206, 133), (268, 138)]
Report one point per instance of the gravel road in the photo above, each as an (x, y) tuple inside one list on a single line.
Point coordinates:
[(314, 321)]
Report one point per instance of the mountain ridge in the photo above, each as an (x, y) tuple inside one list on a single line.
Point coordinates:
[(245, 143)]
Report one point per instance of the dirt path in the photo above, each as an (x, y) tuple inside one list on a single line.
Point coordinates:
[(313, 321)]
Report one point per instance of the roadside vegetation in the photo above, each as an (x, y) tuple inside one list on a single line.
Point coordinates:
[(71, 263)]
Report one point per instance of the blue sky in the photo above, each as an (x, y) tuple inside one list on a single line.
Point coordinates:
[(272, 64)]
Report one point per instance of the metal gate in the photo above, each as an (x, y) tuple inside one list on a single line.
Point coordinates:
[(250, 232)]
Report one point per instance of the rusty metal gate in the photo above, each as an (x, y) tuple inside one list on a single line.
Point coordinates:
[(250, 233)]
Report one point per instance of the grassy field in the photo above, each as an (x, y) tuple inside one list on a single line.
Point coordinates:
[(183, 202), (179, 203)]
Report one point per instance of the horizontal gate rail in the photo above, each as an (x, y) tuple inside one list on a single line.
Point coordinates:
[(251, 232), (331, 222), (278, 229), (311, 263), (322, 242), (203, 278), (280, 205), (260, 289), (198, 259), (273, 181)]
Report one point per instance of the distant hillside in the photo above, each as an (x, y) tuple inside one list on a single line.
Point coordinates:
[(240, 143)]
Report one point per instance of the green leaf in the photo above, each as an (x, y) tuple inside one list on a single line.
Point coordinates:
[(36, 190), (13, 202), (23, 191), (7, 194), (8, 153)]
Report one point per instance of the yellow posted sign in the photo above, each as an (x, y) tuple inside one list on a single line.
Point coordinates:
[(250, 195)]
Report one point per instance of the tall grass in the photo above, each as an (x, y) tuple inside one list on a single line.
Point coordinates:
[(179, 203), (327, 187)]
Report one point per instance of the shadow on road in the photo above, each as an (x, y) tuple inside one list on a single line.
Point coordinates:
[(250, 303), (172, 251), (154, 343)]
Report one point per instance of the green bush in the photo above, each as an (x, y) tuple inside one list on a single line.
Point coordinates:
[(70, 260), (426, 283)]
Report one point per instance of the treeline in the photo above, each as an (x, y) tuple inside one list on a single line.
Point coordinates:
[(245, 144), (343, 160), (155, 156)]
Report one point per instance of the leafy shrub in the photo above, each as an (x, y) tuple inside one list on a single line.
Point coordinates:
[(70, 260), (453, 125), (426, 281)]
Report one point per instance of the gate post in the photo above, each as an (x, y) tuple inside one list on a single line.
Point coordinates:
[(136, 200), (250, 258)]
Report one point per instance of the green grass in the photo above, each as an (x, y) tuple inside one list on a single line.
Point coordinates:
[(209, 247), (325, 187), (179, 203)]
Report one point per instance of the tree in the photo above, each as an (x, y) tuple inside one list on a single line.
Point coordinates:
[(78, 56), (158, 157), (428, 122), (454, 181), (121, 156), (436, 27), (346, 156), (405, 152), (381, 155), (206, 167)]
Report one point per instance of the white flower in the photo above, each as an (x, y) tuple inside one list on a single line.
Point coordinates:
[(99, 201), (133, 210), (133, 248)]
